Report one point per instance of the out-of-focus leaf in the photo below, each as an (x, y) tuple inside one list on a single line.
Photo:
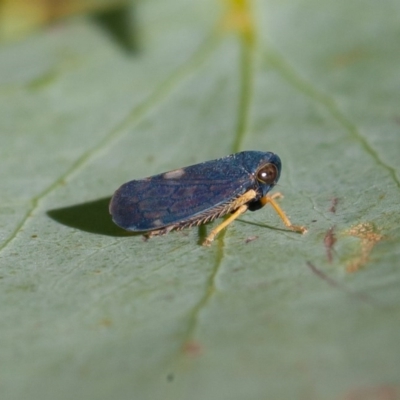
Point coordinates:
[(90, 312), (18, 17)]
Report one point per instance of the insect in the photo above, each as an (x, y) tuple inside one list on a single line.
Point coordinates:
[(198, 194)]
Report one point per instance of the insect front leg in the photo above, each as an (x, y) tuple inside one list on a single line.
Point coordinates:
[(271, 200)]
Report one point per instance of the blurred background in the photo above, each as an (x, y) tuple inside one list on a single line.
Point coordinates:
[(96, 93)]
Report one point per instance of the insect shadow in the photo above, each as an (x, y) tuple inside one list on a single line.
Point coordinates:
[(92, 217)]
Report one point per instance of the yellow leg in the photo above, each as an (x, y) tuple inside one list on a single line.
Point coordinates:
[(270, 199), (240, 206), (242, 209)]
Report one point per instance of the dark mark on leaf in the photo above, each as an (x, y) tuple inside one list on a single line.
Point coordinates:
[(250, 239), (329, 242), (331, 282), (334, 203), (170, 377)]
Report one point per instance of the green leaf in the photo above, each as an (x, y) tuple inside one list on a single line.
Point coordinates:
[(90, 312)]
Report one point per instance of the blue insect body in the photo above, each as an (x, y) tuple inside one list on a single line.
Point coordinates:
[(197, 194)]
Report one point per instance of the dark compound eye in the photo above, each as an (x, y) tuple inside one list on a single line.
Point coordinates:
[(267, 174)]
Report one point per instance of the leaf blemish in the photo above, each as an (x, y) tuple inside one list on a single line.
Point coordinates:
[(250, 239), (193, 348), (329, 242), (369, 236), (334, 203)]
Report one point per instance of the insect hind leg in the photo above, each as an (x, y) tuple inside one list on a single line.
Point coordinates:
[(210, 238)]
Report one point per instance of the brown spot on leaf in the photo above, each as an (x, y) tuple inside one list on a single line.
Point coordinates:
[(351, 57), (192, 348), (369, 236), (105, 322), (384, 392), (334, 203), (329, 242), (250, 239)]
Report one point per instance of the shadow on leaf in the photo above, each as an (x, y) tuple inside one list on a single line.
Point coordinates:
[(121, 24), (90, 217)]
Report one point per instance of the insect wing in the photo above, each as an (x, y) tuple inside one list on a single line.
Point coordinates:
[(179, 195)]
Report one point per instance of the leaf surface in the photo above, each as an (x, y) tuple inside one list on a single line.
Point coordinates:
[(90, 312)]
